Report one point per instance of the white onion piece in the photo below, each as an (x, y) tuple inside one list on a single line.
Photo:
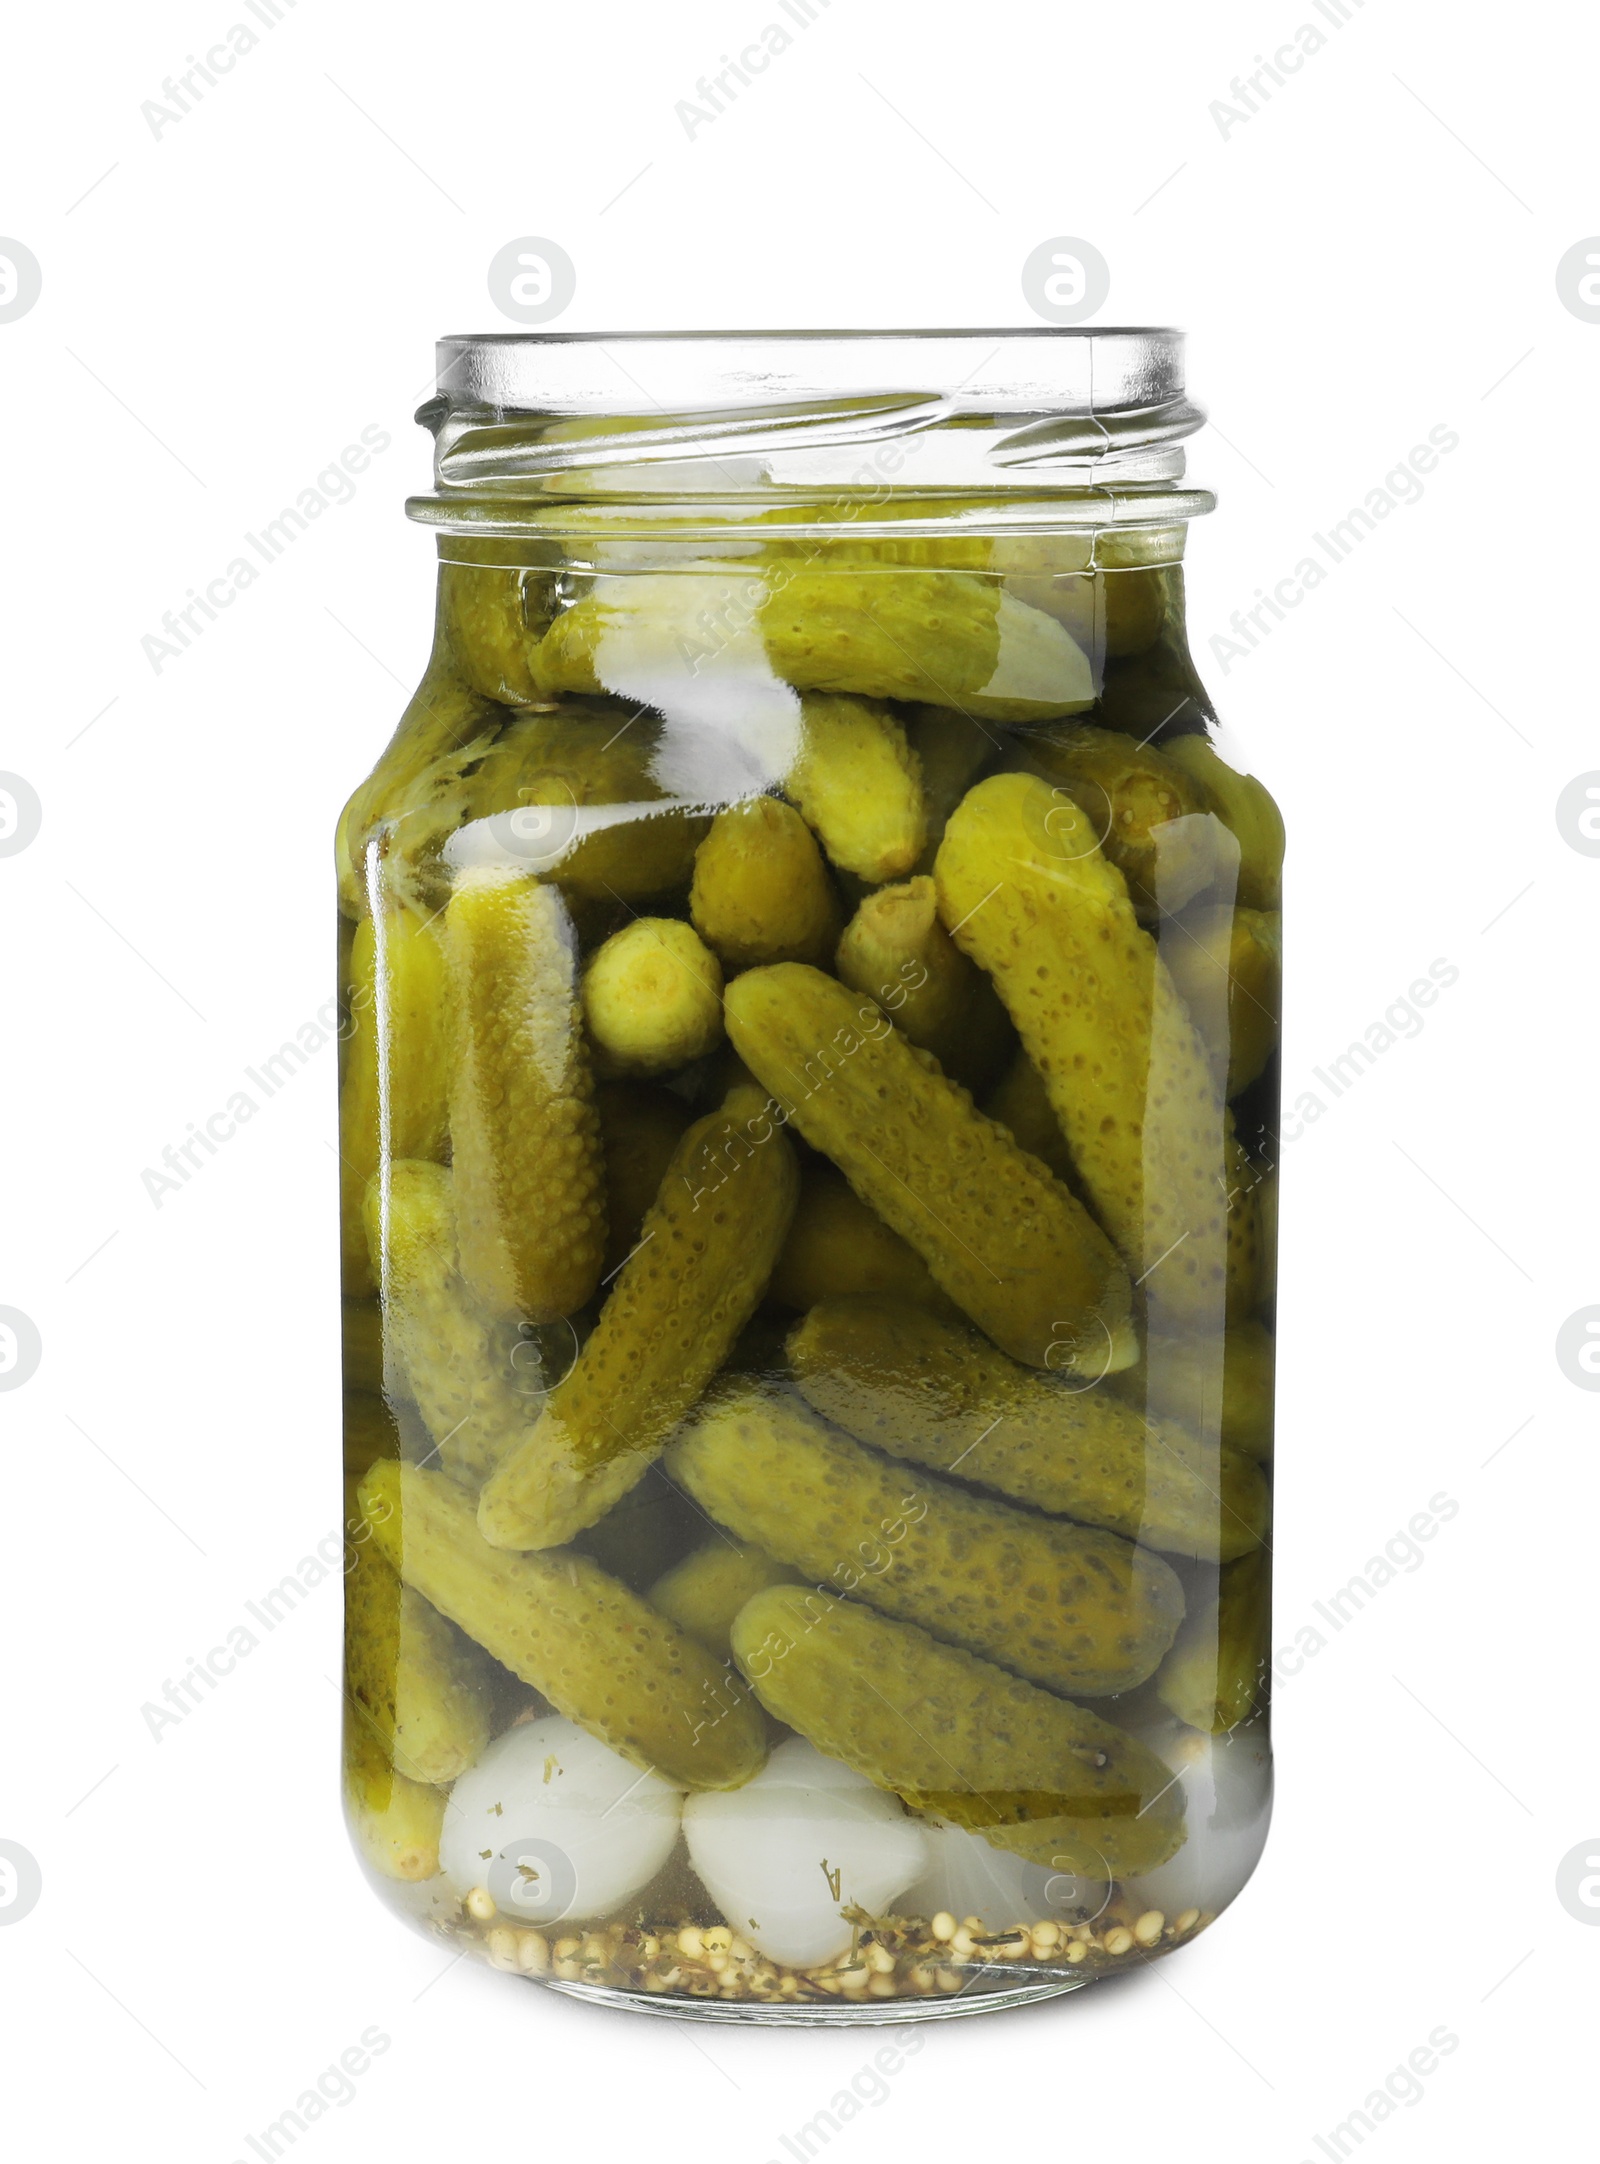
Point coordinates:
[(783, 1855), (556, 1825)]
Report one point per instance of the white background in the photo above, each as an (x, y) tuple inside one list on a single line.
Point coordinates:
[(1369, 254)]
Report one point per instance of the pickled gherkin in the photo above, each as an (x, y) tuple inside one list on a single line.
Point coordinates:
[(909, 1384), (705, 1591), (440, 1348), (1071, 1608), (572, 794), (837, 1246), (954, 1734), (1214, 1675), (394, 1100), (809, 970), (1115, 609), (1128, 1077), (1020, 1101), (858, 785), (896, 951), (1136, 799), (1246, 810), (1009, 1244), (421, 1688), (416, 794), (952, 749), (945, 638), (1217, 1388), (707, 1248), (493, 617), (761, 891), (525, 1136), (395, 1821), (599, 1653), (652, 998), (640, 1127), (1228, 966)]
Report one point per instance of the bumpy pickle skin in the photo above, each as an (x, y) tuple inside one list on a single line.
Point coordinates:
[(838, 1247), (942, 637), (896, 951), (709, 1242), (1228, 966), (704, 1592), (442, 1348), (394, 1822), (946, 638), (952, 1733), (1068, 1607), (858, 786), (1214, 1675), (1128, 1077), (911, 1385), (601, 1655), (529, 1170), (572, 795), (1178, 1379), (1129, 790), (761, 892), (421, 1688), (1246, 809), (394, 1100), (652, 998), (1000, 1235), (640, 1128)]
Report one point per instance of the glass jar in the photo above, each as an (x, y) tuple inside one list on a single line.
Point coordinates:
[(812, 978)]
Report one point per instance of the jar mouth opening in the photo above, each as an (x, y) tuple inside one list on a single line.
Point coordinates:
[(1078, 368), (1079, 418)]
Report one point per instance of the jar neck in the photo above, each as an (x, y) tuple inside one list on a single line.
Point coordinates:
[(1020, 431)]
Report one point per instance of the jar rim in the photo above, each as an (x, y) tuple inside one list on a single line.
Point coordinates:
[(644, 416), (1076, 368)]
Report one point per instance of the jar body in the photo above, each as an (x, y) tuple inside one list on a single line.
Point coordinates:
[(806, 1132)]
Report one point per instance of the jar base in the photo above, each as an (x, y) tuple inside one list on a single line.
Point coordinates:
[(778, 2014)]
